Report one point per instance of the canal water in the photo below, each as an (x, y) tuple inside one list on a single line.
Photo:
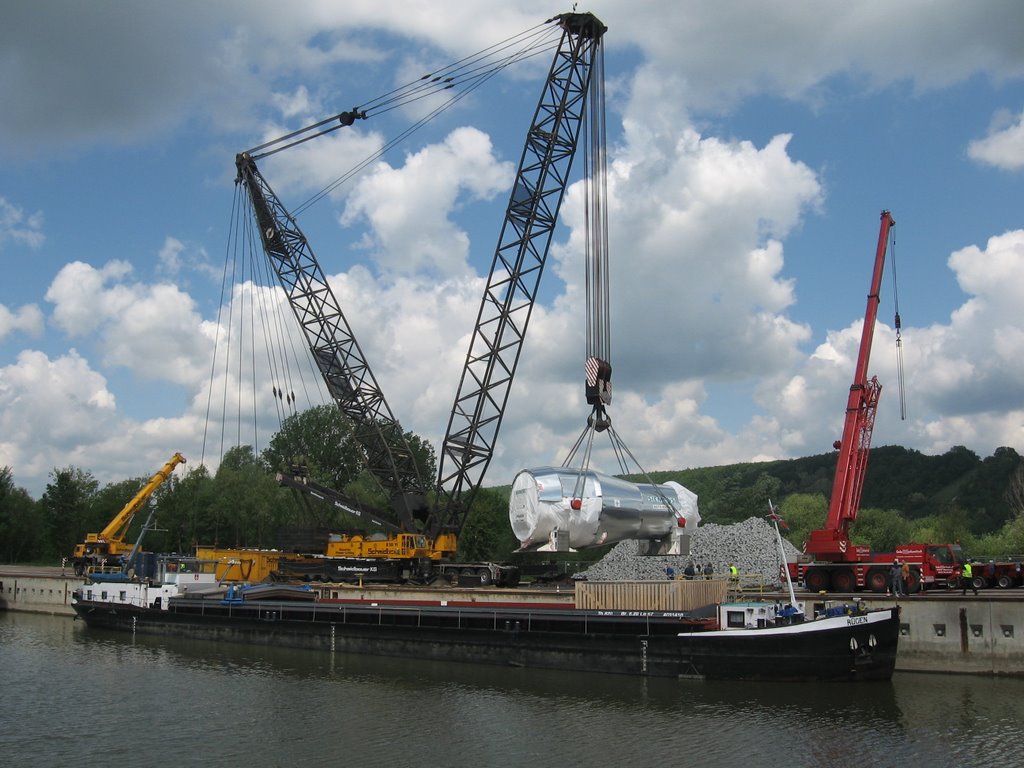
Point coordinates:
[(70, 695)]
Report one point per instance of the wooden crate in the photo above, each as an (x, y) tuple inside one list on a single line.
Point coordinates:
[(649, 595)]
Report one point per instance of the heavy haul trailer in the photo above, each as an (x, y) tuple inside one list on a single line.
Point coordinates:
[(830, 561), (1003, 574), (435, 513)]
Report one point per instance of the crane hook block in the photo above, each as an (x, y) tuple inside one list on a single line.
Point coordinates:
[(599, 381)]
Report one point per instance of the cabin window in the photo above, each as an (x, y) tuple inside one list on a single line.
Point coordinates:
[(735, 619), (124, 595), (103, 595)]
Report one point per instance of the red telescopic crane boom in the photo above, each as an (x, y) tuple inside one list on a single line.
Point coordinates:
[(832, 543)]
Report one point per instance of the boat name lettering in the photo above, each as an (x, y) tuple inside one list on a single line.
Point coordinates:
[(850, 621)]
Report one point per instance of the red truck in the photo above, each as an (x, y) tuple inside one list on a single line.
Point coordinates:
[(931, 565)]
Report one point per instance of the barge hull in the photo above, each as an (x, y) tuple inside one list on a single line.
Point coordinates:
[(657, 644)]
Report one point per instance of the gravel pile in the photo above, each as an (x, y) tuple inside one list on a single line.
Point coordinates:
[(751, 546)]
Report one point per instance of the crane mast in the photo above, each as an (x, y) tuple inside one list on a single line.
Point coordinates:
[(504, 313), (334, 348), (832, 543), (517, 267)]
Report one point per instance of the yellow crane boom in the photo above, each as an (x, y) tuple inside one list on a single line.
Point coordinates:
[(110, 541)]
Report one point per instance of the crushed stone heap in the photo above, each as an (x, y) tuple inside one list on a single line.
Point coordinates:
[(751, 546)]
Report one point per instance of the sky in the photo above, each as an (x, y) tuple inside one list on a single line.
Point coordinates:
[(751, 150)]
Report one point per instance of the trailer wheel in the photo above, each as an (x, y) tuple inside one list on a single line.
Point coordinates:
[(1005, 581), (979, 582), (877, 580), (817, 580), (484, 574), (843, 580)]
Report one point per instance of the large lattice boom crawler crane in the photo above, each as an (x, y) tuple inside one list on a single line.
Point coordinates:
[(431, 517)]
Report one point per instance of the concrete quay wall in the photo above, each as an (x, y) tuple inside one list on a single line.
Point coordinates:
[(976, 635), (37, 590)]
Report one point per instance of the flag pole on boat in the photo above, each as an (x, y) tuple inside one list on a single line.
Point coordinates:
[(774, 515)]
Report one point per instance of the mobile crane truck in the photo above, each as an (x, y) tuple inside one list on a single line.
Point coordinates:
[(830, 561), (109, 545)]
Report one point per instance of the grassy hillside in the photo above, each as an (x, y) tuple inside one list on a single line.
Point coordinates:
[(906, 481)]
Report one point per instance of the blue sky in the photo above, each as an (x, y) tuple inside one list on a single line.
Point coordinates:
[(752, 148)]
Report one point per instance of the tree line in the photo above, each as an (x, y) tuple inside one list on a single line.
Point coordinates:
[(908, 496), (956, 497), (240, 505)]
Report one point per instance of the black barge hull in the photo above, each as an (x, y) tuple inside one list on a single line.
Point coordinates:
[(659, 644)]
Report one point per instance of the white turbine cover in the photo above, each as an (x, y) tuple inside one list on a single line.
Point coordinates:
[(608, 509)]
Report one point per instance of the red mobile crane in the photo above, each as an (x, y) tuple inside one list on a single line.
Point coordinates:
[(830, 560)]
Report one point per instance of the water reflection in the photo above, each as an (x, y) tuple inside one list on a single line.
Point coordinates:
[(209, 703)]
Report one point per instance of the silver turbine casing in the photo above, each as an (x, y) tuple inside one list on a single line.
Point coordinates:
[(610, 509)]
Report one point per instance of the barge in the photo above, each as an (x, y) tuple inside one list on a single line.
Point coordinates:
[(717, 640)]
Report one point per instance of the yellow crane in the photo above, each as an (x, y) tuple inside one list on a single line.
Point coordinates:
[(110, 543)]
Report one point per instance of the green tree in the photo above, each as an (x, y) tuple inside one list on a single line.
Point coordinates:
[(953, 524), (183, 509), (24, 535), (1013, 495), (766, 488), (246, 502), (881, 529), (487, 534), (107, 503), (320, 438), (803, 513), (742, 495), (66, 506)]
